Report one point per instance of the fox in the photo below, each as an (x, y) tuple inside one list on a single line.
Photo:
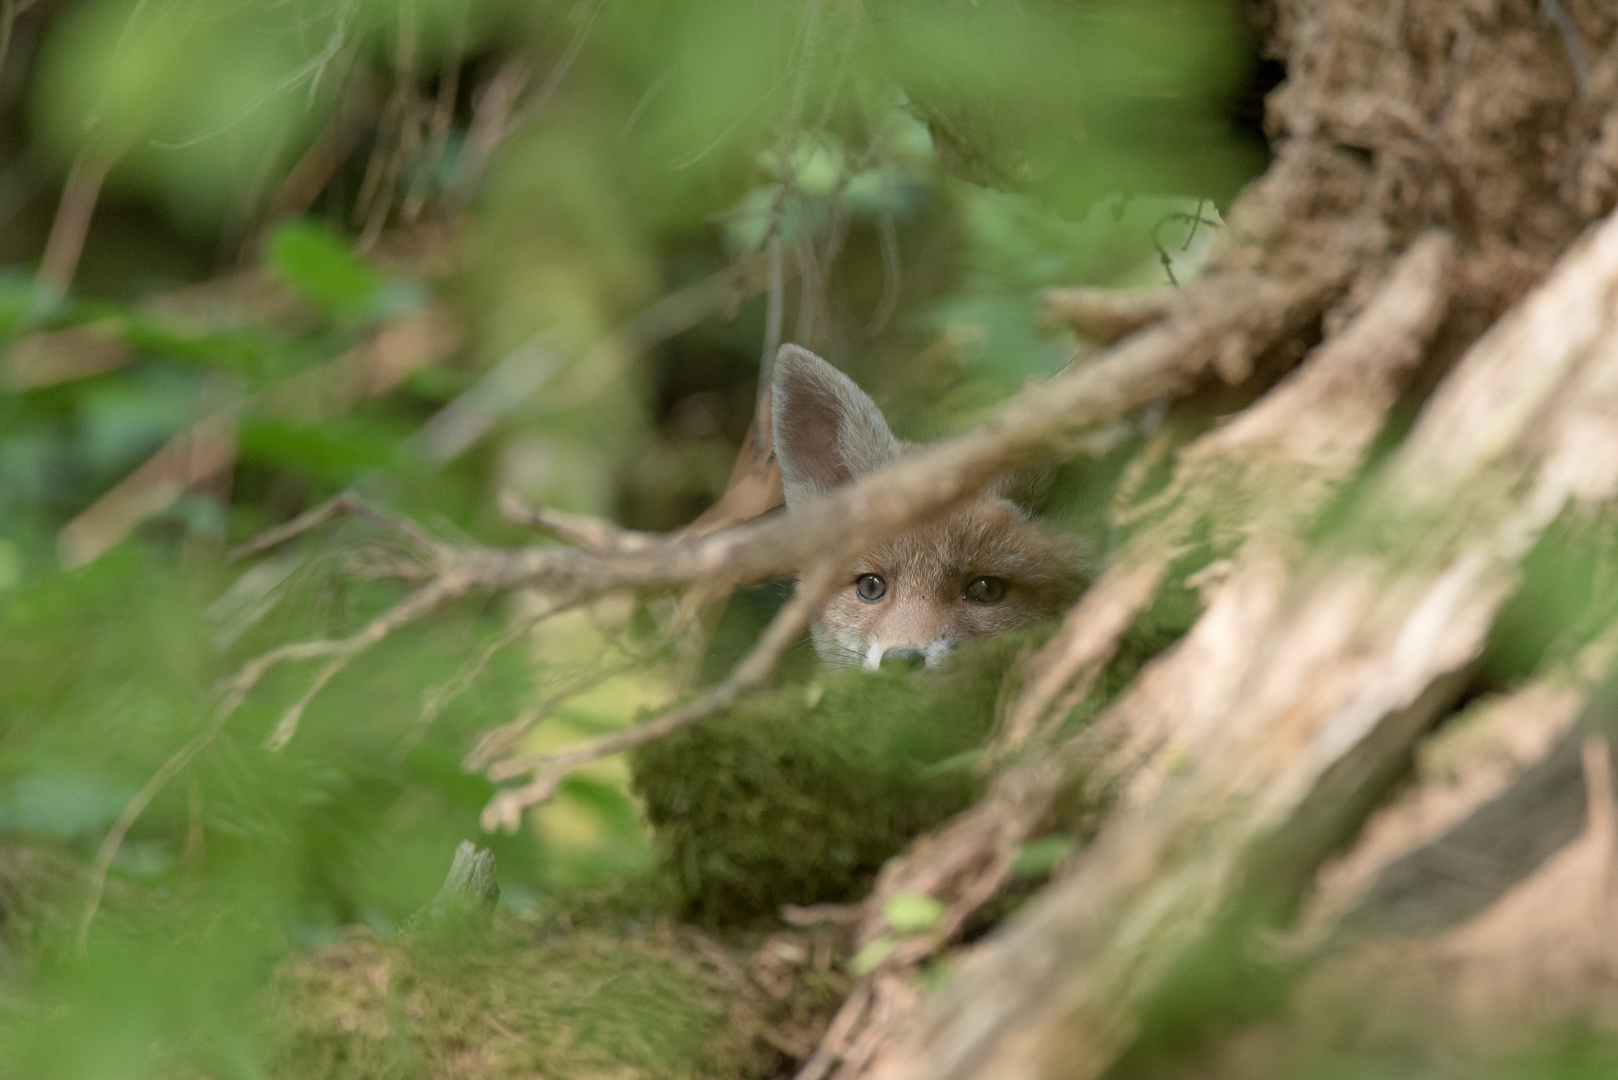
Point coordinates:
[(983, 568)]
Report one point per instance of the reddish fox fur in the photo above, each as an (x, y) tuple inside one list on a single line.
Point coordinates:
[(983, 568)]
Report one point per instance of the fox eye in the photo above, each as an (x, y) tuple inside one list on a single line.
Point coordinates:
[(986, 590), (870, 587)]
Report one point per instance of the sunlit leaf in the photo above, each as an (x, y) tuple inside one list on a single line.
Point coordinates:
[(912, 914)]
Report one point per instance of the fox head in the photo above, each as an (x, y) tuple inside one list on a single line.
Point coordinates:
[(982, 568)]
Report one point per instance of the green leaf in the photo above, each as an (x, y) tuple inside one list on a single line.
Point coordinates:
[(1041, 856), (311, 259), (912, 913), (866, 960), (338, 451), (964, 762)]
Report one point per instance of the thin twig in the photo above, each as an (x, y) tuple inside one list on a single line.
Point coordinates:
[(1578, 56), (491, 110), (439, 124), (1235, 314), (590, 533), (498, 742), (811, 277), (506, 808), (889, 302), (348, 502), (559, 70), (772, 311), (72, 223), (135, 808), (400, 125), (1600, 813), (693, 158), (441, 696), (835, 1042), (424, 600)]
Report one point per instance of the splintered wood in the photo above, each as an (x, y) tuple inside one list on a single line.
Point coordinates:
[(1266, 473), (1357, 647)]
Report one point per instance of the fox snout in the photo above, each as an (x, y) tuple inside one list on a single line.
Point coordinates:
[(903, 658), (982, 569)]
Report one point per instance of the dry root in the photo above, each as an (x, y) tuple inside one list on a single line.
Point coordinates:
[(1216, 320), (1345, 656)]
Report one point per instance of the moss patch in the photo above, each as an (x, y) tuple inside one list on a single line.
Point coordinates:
[(799, 795), (630, 1003)]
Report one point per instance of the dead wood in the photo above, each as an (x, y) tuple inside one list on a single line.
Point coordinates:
[(1269, 471), (1220, 318), (1104, 316), (467, 900), (1352, 651), (1487, 806), (1234, 316)]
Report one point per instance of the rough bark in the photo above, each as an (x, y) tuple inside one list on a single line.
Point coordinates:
[(1355, 650), (1432, 162)]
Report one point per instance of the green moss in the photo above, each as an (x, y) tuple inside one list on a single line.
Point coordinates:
[(798, 795), (633, 1001)]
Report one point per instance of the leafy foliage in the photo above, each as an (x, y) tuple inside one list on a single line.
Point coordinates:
[(293, 190)]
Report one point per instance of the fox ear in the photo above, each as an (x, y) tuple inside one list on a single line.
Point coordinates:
[(827, 431)]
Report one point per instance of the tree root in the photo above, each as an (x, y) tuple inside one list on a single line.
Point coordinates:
[(1352, 656), (1270, 470), (1220, 319)]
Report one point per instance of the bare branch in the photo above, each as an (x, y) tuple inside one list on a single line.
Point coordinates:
[(438, 698), (592, 534), (57, 356), (1236, 314), (72, 223), (1106, 315), (505, 809), (235, 690), (425, 599), (206, 449), (348, 502), (1165, 360), (501, 740)]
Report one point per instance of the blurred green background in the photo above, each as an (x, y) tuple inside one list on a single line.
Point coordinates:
[(252, 255)]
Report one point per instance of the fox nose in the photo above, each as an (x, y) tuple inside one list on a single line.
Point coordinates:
[(903, 658)]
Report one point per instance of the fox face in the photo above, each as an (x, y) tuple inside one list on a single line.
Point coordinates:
[(983, 568)]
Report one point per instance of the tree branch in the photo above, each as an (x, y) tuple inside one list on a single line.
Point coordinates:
[(505, 809)]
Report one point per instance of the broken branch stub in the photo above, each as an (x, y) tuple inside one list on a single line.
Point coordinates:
[(1365, 642)]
